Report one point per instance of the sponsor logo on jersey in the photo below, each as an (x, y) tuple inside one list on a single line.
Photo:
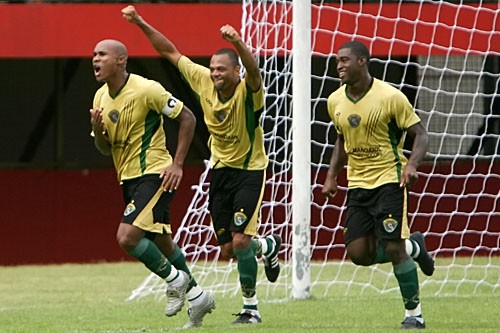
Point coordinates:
[(129, 209), (239, 218), (114, 115), (390, 224), (354, 120)]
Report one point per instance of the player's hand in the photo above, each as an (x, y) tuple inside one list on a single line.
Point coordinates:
[(229, 33), (172, 176), (330, 188), (97, 122), (131, 14), (409, 176)]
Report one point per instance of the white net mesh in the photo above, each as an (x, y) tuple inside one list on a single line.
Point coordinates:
[(446, 58)]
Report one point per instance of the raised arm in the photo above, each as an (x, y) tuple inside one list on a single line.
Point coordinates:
[(252, 74), (337, 163), (161, 43)]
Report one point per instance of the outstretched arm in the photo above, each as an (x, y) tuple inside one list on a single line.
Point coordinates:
[(161, 43), (337, 162), (253, 77), (418, 151)]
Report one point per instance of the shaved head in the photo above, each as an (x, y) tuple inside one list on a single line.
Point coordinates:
[(114, 46)]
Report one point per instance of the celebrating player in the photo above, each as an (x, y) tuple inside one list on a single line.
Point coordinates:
[(371, 118), (232, 109), (127, 123)]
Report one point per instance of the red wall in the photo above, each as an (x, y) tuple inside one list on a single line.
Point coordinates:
[(72, 30), (67, 216), (71, 216)]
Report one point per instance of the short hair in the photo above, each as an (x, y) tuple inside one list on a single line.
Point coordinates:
[(358, 48), (233, 56)]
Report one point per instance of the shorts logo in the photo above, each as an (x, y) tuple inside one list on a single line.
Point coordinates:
[(390, 224), (239, 218), (113, 116), (220, 231), (129, 209), (354, 120)]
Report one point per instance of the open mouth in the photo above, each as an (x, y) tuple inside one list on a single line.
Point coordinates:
[(97, 70)]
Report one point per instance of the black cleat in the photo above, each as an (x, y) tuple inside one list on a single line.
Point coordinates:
[(271, 261), (247, 316), (424, 259), (412, 323)]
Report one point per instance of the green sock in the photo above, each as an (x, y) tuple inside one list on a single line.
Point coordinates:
[(406, 274), (247, 268), (380, 254), (256, 247), (178, 260), (149, 254)]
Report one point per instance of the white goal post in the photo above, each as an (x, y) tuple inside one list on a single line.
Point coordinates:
[(445, 56)]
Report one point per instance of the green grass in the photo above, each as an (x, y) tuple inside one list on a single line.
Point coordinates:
[(91, 298)]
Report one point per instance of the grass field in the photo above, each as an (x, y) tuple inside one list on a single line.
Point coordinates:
[(91, 298)]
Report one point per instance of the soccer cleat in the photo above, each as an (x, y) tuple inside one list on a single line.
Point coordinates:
[(424, 259), (176, 293), (247, 316), (271, 261), (411, 323), (197, 312)]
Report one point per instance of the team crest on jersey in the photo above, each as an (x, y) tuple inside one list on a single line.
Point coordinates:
[(354, 120), (390, 224), (220, 115), (113, 116), (239, 218), (129, 209)]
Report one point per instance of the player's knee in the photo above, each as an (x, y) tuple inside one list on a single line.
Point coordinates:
[(227, 250), (128, 244), (240, 241), (359, 256), (361, 260)]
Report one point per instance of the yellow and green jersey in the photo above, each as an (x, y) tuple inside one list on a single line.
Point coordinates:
[(373, 128), (134, 125), (236, 137)]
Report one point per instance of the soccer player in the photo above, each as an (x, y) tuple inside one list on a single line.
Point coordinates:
[(127, 123), (232, 107), (371, 118)]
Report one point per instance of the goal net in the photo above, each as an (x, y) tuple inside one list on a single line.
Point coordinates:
[(446, 58)]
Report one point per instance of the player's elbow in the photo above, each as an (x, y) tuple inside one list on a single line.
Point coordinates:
[(187, 119), (172, 56)]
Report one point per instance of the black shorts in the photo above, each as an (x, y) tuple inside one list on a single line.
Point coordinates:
[(382, 211), (235, 197), (148, 206)]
